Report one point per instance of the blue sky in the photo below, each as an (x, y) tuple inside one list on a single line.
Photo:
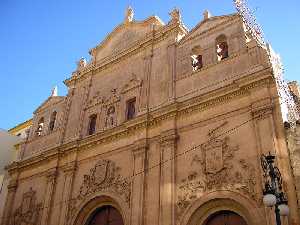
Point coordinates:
[(41, 40)]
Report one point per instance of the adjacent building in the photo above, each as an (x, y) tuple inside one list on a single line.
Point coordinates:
[(163, 125)]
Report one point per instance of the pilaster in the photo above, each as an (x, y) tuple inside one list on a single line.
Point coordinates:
[(69, 171), (146, 82), (172, 71), (51, 178), (167, 178), (138, 186), (12, 188)]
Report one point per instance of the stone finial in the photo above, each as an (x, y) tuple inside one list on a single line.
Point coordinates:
[(81, 63), (206, 15), (175, 16), (129, 15), (54, 91)]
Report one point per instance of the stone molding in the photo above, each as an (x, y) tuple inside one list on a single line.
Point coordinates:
[(183, 109)]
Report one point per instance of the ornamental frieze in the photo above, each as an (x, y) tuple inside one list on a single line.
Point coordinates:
[(217, 168), (103, 177), (29, 212)]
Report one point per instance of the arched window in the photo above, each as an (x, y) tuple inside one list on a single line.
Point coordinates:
[(222, 47), (107, 215), (92, 124), (52, 121), (40, 126), (197, 62), (225, 218)]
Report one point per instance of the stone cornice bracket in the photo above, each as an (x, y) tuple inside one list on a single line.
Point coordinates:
[(263, 112), (168, 137)]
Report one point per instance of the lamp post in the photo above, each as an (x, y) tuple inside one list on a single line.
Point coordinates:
[(273, 193)]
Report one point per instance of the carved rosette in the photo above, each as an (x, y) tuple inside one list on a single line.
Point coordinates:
[(103, 177), (218, 170), (29, 212)]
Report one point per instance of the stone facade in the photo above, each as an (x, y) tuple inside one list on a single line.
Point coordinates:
[(192, 148)]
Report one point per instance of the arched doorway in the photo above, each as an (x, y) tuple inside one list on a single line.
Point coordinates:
[(105, 215), (225, 218)]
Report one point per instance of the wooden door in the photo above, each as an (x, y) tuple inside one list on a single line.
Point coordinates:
[(225, 218), (106, 215)]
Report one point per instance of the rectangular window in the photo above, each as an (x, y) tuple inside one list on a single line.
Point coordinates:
[(130, 111), (92, 124)]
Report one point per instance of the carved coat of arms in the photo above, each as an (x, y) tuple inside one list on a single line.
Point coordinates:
[(103, 177), (213, 155), (99, 172)]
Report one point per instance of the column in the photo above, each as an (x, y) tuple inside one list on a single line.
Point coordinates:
[(139, 157), (69, 171), (167, 180), (7, 214), (51, 177)]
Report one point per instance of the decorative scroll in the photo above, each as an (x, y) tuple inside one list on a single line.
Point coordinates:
[(29, 212)]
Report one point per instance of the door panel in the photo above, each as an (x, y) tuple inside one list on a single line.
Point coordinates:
[(225, 218), (106, 215)]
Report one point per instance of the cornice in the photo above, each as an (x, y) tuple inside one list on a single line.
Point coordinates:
[(149, 39), (155, 118), (20, 126)]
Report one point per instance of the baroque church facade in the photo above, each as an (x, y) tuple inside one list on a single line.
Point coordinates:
[(162, 126)]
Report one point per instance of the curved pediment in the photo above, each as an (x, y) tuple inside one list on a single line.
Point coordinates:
[(52, 100), (124, 36), (208, 24)]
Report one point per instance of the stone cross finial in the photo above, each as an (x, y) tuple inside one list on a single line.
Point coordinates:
[(206, 15), (54, 91), (129, 15), (175, 16)]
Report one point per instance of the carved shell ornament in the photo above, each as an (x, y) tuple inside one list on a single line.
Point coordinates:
[(103, 177), (216, 168)]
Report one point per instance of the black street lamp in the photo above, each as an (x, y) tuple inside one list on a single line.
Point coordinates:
[(273, 193)]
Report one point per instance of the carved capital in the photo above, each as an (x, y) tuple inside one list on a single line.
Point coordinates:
[(12, 186), (168, 138), (51, 175), (139, 147), (69, 168)]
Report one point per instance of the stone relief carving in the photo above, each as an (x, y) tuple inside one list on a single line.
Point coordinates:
[(29, 212), (81, 63), (217, 168), (95, 100), (133, 83), (103, 177)]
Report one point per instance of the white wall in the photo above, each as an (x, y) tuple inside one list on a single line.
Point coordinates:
[(7, 152)]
